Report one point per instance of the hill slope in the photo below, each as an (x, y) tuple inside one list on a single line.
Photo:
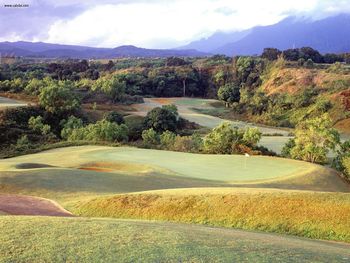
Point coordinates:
[(47, 50), (329, 35)]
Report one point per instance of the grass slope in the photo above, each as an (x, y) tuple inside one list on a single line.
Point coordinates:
[(124, 169), (302, 213), (38, 239)]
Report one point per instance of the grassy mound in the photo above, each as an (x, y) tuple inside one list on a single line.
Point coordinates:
[(308, 214), (33, 239), (111, 171)]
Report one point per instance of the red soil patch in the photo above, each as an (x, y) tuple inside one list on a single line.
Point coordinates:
[(28, 205), (163, 101), (343, 126), (115, 167)]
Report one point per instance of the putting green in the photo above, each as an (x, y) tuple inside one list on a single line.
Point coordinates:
[(224, 168), (73, 173), (46, 239)]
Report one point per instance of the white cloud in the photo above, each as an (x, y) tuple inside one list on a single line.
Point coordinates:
[(163, 24)]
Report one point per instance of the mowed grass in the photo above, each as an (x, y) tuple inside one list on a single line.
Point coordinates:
[(6, 103), (86, 179), (87, 171), (302, 213), (195, 109), (45, 239)]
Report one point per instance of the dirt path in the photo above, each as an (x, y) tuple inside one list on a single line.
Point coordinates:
[(28, 205)]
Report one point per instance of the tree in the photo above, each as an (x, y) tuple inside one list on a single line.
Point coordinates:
[(167, 140), (252, 136), (100, 131), (150, 137), (184, 73), (229, 93), (161, 119), (227, 140), (220, 139), (314, 138), (36, 124), (271, 53), (69, 125), (58, 97), (34, 86), (114, 116), (342, 160), (112, 86)]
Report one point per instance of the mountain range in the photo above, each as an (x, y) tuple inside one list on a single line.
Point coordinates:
[(328, 35), (46, 50)]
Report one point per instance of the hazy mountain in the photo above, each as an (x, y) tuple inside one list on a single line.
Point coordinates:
[(40, 49), (329, 35), (216, 41)]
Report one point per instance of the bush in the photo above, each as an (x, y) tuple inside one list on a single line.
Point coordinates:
[(167, 140), (161, 119), (22, 143), (114, 116), (346, 164), (135, 125), (100, 131), (59, 97), (150, 138), (192, 143), (36, 124), (69, 125), (227, 140)]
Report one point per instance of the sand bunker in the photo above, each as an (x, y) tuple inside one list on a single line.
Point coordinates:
[(28, 205)]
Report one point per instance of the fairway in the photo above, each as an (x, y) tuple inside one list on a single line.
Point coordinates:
[(186, 110), (105, 240), (6, 103)]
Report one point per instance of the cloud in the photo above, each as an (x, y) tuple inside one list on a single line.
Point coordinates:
[(151, 23)]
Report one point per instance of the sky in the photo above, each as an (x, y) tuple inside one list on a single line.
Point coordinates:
[(149, 24)]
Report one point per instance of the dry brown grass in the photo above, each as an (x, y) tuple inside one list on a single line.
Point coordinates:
[(309, 214)]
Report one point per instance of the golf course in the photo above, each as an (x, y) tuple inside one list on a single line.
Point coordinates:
[(6, 103), (128, 184)]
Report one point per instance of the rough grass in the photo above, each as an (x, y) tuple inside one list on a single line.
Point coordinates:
[(38, 239), (301, 213)]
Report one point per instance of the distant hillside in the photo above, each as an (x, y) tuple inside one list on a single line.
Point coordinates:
[(216, 41), (40, 49), (329, 35)]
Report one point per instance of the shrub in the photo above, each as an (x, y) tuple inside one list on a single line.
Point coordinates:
[(150, 138), (314, 138), (36, 124), (58, 97), (167, 140), (114, 116), (161, 119), (69, 125), (227, 140), (192, 143), (346, 164), (22, 143), (100, 131)]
